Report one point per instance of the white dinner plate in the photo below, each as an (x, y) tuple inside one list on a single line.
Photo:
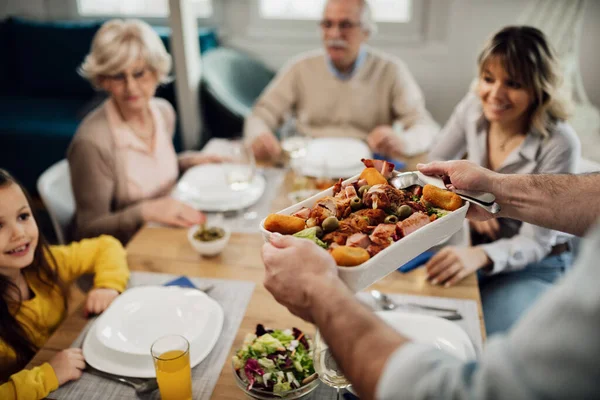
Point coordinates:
[(205, 188), (434, 331), (437, 332), (130, 364), (334, 157), (143, 314)]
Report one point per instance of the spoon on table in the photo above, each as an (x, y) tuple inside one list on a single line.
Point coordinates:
[(386, 303)]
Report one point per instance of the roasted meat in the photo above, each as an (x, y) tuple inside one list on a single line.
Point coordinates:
[(384, 197)]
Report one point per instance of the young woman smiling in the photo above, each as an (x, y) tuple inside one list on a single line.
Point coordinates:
[(513, 122)]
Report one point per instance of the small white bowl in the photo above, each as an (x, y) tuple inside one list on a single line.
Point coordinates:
[(211, 248)]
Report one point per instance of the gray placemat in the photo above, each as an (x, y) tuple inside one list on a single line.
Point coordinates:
[(467, 308), (233, 296), (248, 220)]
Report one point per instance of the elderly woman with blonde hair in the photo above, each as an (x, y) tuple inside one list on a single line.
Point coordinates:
[(122, 160), (515, 123)]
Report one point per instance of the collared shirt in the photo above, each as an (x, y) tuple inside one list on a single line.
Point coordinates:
[(151, 169), (466, 132), (551, 353), (344, 76)]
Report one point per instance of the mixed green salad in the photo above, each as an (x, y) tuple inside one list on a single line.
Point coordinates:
[(275, 360)]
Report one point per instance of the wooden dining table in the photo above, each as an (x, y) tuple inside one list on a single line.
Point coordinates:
[(167, 250)]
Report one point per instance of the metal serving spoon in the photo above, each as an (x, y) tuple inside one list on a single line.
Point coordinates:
[(402, 180)]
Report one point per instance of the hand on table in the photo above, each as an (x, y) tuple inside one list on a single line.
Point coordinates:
[(452, 264), (266, 147), (68, 365), (468, 176), (384, 140), (98, 300), (169, 211), (292, 266), (489, 228)]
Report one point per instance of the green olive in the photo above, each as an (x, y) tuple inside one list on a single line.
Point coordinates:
[(330, 224), (363, 189), (404, 211), (356, 203), (390, 219), (318, 231)]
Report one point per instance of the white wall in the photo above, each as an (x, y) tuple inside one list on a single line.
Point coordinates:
[(443, 64)]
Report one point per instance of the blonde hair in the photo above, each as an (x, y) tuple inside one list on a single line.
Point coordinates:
[(118, 43), (528, 58)]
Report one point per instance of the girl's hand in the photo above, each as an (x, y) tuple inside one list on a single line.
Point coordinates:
[(452, 264), (98, 300), (68, 365)]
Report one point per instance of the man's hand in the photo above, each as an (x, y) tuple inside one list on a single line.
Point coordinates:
[(452, 264), (266, 147), (98, 300), (67, 365), (468, 176), (169, 211), (293, 266), (384, 140)]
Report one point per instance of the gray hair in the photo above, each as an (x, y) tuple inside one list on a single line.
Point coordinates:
[(119, 43), (366, 19)]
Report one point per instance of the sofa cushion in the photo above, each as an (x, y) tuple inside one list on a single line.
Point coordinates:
[(48, 54)]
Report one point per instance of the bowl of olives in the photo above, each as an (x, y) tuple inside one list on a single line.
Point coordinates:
[(208, 240)]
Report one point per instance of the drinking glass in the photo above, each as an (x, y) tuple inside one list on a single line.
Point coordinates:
[(171, 355), (241, 166), (294, 144), (328, 370)]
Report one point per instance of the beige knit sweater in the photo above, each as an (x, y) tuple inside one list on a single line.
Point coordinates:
[(381, 92)]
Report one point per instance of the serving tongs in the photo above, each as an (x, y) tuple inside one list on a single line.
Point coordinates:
[(403, 180)]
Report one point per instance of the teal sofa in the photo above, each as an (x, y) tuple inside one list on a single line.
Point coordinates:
[(42, 98)]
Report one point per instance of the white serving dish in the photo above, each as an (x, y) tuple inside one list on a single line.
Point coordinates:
[(204, 187), (388, 260), (143, 314)]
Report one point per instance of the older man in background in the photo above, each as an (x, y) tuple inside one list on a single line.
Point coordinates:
[(347, 90)]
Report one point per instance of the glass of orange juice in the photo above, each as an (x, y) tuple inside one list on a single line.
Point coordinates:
[(171, 356)]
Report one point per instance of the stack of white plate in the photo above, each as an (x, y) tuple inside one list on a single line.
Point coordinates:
[(119, 341), (334, 158), (205, 188)]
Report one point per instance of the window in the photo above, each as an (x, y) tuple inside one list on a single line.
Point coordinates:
[(383, 10), (137, 8)]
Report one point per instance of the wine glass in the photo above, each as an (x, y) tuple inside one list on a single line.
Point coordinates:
[(325, 365), (241, 166)]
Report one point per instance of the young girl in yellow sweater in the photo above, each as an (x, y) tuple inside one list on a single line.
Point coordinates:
[(33, 294)]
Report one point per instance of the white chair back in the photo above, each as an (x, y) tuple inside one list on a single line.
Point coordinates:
[(54, 186)]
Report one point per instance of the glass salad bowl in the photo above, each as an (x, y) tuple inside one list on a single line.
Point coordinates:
[(275, 364)]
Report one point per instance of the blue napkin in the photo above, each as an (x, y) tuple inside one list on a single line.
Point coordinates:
[(399, 165), (416, 262), (182, 281)]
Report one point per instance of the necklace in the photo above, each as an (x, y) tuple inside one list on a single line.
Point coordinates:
[(506, 141)]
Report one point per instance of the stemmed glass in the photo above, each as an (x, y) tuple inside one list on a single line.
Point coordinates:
[(294, 144), (328, 370)]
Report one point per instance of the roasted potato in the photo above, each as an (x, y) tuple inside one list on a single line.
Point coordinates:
[(441, 198), (284, 224), (346, 256), (372, 176)]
